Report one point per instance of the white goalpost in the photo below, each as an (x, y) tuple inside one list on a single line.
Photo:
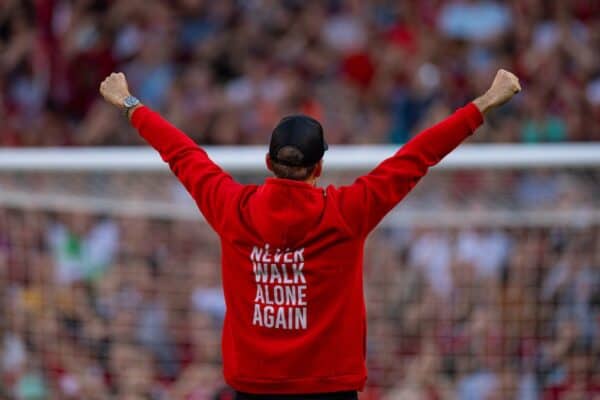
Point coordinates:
[(250, 159), (72, 179)]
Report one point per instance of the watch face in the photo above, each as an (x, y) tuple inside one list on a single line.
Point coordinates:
[(131, 101)]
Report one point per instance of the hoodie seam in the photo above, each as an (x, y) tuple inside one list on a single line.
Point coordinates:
[(340, 217)]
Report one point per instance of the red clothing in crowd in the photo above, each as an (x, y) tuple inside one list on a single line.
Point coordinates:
[(571, 389), (292, 257)]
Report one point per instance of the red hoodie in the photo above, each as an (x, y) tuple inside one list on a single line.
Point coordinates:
[(292, 257)]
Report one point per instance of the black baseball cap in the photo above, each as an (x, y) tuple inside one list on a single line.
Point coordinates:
[(303, 133)]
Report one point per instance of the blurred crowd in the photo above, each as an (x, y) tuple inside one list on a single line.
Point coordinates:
[(225, 71), (98, 307)]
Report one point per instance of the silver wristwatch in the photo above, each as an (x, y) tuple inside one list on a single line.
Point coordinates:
[(129, 103)]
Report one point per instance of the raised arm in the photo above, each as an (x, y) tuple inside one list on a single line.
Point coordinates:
[(370, 197), (211, 188)]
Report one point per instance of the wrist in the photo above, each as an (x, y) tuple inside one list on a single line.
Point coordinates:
[(129, 104), (484, 103), (129, 111), (119, 101)]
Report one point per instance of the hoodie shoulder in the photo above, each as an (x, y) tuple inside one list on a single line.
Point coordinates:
[(236, 210), (335, 200)]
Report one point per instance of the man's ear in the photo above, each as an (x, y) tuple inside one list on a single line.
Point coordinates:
[(268, 162), (318, 169)]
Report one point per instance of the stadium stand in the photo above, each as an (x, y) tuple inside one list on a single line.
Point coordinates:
[(372, 71)]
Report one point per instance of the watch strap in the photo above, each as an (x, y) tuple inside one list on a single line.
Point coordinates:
[(129, 103)]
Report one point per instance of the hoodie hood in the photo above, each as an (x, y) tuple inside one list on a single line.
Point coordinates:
[(284, 211)]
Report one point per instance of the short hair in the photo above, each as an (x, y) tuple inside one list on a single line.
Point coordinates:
[(291, 155)]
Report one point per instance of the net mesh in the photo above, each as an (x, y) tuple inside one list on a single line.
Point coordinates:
[(481, 285)]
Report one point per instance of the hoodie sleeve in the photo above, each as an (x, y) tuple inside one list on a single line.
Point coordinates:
[(209, 185), (364, 203)]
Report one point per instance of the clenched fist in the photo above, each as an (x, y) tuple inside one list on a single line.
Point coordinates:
[(504, 87), (114, 89)]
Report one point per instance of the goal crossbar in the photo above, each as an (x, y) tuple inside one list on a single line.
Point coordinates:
[(250, 159)]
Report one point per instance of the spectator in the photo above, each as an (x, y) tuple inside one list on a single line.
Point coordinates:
[(236, 67)]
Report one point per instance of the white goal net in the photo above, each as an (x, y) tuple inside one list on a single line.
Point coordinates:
[(484, 283)]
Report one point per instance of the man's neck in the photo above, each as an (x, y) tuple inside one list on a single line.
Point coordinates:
[(311, 181)]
